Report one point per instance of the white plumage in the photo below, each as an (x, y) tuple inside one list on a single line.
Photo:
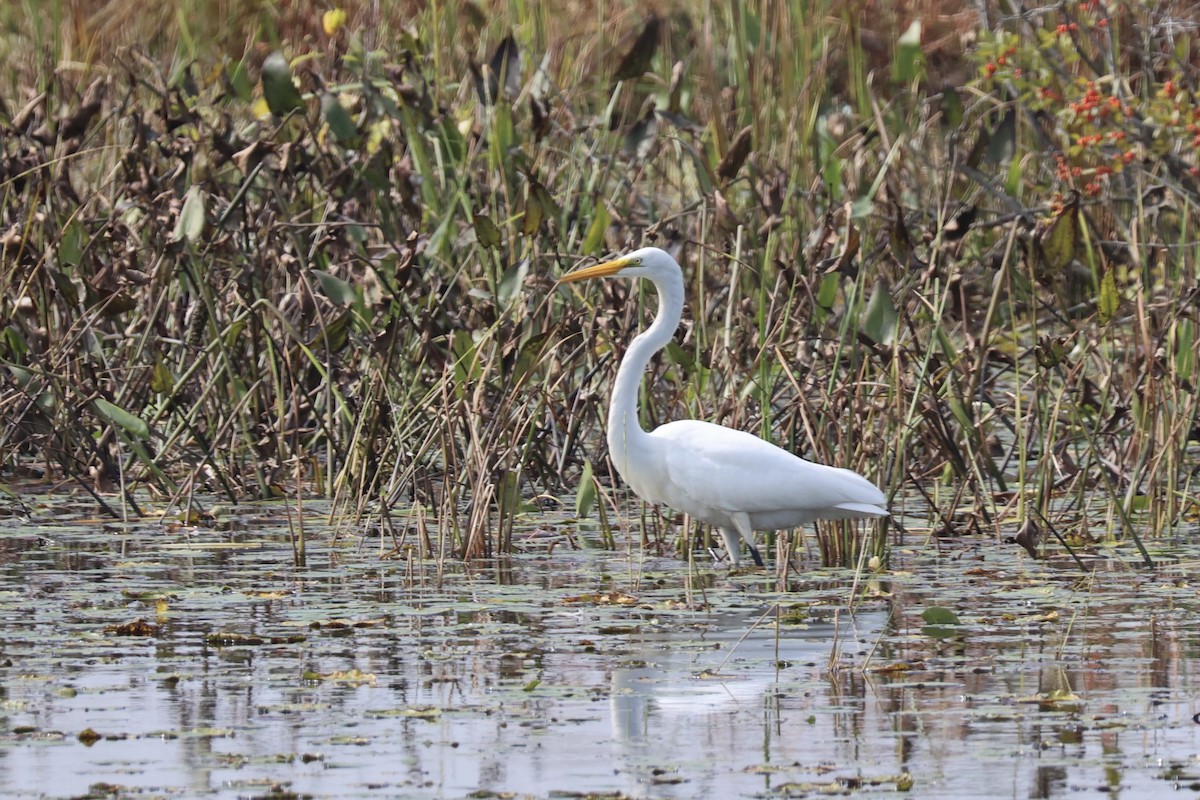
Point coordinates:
[(727, 478)]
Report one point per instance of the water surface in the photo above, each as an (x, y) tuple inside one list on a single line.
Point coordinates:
[(579, 671)]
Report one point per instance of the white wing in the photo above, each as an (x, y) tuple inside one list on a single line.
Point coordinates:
[(713, 471)]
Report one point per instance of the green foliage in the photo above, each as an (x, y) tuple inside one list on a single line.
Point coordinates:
[(130, 422), (279, 90), (908, 62), (940, 623), (937, 615), (208, 284), (880, 319), (191, 216), (585, 495)]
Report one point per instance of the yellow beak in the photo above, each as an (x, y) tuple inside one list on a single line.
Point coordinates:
[(596, 271)]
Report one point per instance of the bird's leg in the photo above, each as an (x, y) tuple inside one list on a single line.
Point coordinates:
[(732, 547), (741, 521)]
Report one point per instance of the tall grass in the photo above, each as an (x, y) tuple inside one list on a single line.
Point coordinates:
[(886, 267)]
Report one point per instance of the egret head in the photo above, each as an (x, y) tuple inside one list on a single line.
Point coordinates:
[(649, 262)]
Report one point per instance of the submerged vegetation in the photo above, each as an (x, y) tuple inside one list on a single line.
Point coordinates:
[(264, 251)]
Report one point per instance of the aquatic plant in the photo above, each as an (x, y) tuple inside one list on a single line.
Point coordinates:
[(299, 253)]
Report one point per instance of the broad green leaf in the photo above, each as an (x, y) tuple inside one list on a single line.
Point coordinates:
[(503, 136), (549, 204), (122, 418), (279, 90), (827, 294), (22, 376), (677, 355), (508, 495), (531, 353), (71, 245), (234, 331), (338, 119), (948, 348), (237, 81), (908, 62), (1061, 238), (1110, 300), (339, 291), (862, 207), (334, 335), (941, 623), (65, 286), (880, 320), (952, 107), (15, 346), (511, 282), (452, 140), (466, 361), (1185, 352), (596, 230), (939, 615), (190, 224), (585, 498), (162, 380), (959, 410), (533, 215), (486, 231), (1002, 142)]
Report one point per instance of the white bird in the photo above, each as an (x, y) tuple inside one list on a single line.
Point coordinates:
[(727, 478)]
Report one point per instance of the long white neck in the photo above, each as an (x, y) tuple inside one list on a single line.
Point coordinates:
[(625, 434)]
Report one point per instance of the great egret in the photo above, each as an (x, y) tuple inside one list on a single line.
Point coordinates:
[(727, 478)]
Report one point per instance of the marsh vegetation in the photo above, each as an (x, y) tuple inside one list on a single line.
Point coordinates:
[(290, 395), (264, 252)]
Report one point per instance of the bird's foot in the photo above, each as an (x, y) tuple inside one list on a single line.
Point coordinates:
[(718, 555), (735, 563)]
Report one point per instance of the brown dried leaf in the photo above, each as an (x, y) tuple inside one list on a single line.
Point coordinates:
[(725, 216), (846, 258), (139, 627), (1061, 239), (676, 92), (821, 240), (736, 156), (899, 239), (1030, 537), (602, 599), (957, 227), (637, 59), (76, 123), (642, 136), (541, 118), (30, 112), (501, 76)]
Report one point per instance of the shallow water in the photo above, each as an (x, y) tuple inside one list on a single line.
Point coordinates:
[(580, 671)]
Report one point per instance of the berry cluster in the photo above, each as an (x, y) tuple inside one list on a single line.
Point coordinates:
[(1052, 73)]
